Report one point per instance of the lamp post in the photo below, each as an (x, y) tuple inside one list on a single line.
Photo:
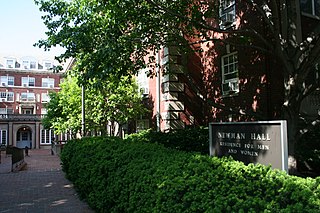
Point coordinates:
[(83, 123)]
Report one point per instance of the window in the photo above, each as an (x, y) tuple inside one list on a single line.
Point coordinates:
[(25, 64), (24, 136), (10, 96), (24, 96), (46, 136), (27, 111), (11, 80), (43, 111), (311, 7), (230, 78), (10, 63), (48, 82), (33, 65), (7, 80), (28, 81), (6, 96), (3, 133), (27, 96), (227, 13), (6, 111), (4, 81), (48, 65), (65, 136), (142, 81), (45, 97), (3, 95)]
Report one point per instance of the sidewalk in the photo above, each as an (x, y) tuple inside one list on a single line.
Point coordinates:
[(39, 188)]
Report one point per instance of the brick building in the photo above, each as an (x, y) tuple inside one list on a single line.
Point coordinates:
[(186, 89), (25, 83)]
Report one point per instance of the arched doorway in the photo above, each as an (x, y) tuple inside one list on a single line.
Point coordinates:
[(24, 137)]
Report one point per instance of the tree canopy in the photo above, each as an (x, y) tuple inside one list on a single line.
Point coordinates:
[(118, 102)]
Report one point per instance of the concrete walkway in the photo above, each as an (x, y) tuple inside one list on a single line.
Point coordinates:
[(39, 188)]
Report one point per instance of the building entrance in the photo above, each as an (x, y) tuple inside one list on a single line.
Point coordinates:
[(24, 137)]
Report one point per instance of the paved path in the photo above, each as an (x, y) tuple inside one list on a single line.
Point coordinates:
[(39, 188)]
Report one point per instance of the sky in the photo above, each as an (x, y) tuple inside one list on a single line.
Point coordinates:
[(20, 27)]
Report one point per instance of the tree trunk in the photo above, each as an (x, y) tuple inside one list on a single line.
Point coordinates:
[(291, 110)]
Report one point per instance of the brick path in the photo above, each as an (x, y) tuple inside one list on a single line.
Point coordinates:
[(39, 188)]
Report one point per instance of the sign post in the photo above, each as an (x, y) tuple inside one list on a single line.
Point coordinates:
[(263, 142)]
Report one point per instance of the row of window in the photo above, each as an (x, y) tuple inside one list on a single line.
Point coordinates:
[(227, 11), (27, 81), (46, 136), (25, 111), (28, 64), (230, 76), (24, 96)]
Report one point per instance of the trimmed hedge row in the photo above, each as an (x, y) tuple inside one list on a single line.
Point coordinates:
[(190, 140), (115, 175)]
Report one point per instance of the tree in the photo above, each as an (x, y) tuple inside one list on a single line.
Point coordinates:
[(115, 33), (64, 108), (118, 102)]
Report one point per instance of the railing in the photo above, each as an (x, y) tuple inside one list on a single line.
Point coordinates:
[(21, 117)]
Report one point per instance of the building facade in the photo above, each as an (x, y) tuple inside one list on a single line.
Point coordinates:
[(187, 90), (25, 84)]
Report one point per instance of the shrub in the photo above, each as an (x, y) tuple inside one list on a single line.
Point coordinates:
[(190, 140), (115, 175)]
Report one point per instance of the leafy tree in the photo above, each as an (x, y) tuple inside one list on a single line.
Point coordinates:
[(118, 102), (107, 36), (64, 108)]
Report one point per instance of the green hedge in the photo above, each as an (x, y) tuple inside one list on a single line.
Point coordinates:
[(190, 140), (115, 175)]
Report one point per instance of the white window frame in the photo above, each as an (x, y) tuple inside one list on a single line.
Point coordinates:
[(26, 64), (46, 136), (10, 81), (28, 81), (29, 97), (143, 82), (314, 8), (3, 96), (10, 96), (45, 98), (229, 67), (47, 82), (48, 65), (10, 63), (33, 65), (44, 111), (6, 96), (4, 80), (227, 13), (4, 136), (7, 80)]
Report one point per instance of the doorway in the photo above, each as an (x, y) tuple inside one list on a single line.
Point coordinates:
[(24, 137)]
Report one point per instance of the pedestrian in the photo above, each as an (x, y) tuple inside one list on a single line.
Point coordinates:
[(26, 150)]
